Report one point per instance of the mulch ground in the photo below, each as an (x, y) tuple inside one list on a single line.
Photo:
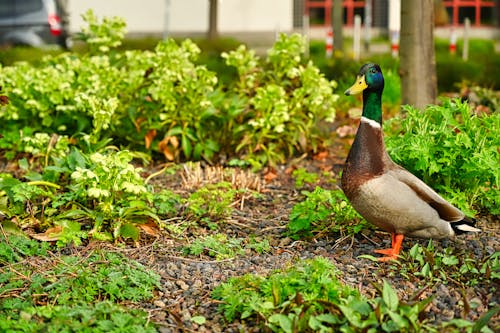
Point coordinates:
[(187, 281)]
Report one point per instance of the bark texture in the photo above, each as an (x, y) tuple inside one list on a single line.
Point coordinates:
[(417, 58), (212, 19), (337, 22)]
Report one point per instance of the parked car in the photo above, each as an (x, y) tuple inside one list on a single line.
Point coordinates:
[(33, 23)]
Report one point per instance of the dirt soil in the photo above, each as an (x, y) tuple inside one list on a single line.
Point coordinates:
[(187, 281)]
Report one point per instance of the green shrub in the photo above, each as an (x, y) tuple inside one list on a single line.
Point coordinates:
[(165, 101), (453, 150), (283, 101), (452, 70), (98, 195)]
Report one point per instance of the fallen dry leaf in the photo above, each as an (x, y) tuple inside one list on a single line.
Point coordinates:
[(270, 175), (321, 156), (148, 139), (150, 228), (290, 170), (50, 235), (138, 122), (168, 146), (4, 100)]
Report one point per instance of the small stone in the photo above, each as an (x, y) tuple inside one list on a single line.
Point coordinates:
[(159, 303), (197, 284), (183, 285)]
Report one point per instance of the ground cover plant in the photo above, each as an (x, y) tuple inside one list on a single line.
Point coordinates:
[(309, 297), (223, 248), (42, 291)]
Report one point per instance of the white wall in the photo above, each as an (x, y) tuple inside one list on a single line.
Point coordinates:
[(149, 16), (140, 15), (255, 15)]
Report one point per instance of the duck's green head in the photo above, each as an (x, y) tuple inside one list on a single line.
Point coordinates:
[(369, 78), (370, 81)]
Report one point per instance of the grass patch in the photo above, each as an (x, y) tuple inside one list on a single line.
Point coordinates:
[(42, 291)]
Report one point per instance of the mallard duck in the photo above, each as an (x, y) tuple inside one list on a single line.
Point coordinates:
[(384, 193)]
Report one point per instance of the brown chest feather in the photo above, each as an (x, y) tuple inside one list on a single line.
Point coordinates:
[(367, 159)]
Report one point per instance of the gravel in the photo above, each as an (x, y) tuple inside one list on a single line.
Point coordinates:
[(187, 281)]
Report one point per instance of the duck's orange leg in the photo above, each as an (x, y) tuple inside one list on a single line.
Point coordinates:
[(393, 252)]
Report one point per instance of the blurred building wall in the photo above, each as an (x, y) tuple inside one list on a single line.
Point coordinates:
[(188, 16)]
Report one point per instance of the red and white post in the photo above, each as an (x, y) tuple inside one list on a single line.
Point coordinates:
[(394, 25), (395, 43), (453, 41), (329, 43)]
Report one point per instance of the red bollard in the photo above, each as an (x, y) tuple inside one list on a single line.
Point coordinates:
[(453, 41), (329, 43)]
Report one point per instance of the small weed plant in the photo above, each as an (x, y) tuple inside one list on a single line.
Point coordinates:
[(302, 177), (221, 246), (212, 203), (324, 211), (104, 192), (309, 297), (450, 266)]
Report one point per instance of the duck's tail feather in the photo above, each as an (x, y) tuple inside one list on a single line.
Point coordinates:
[(465, 225)]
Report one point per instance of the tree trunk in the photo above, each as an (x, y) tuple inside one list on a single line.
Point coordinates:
[(212, 20), (417, 59), (337, 22)]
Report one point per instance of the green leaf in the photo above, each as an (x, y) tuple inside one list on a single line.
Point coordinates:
[(283, 322), (390, 297), (450, 260), (177, 130), (327, 318), (352, 315), (11, 227), (186, 146), (459, 323), (426, 270), (200, 320), (399, 320), (414, 251), (129, 230), (369, 257)]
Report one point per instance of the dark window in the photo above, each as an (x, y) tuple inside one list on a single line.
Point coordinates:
[(487, 15), (317, 15), (27, 6), (6, 8), (464, 12)]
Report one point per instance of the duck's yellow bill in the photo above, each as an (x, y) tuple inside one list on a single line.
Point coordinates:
[(357, 87)]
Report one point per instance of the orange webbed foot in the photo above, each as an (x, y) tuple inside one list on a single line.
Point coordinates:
[(384, 251), (393, 252)]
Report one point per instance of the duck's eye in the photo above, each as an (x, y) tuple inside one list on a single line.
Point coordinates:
[(373, 71)]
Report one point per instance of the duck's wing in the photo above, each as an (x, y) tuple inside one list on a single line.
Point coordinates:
[(446, 211)]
